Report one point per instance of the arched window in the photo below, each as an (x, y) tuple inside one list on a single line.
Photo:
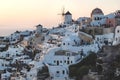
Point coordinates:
[(95, 18), (63, 72), (68, 54), (68, 62), (57, 72), (97, 39), (117, 31), (116, 39), (65, 61), (57, 62), (68, 43), (68, 57)]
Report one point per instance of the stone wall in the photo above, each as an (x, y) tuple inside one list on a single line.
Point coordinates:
[(109, 30)]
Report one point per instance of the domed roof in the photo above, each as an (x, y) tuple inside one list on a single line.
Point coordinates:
[(97, 11)]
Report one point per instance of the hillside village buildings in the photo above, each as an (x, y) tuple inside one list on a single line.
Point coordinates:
[(59, 47)]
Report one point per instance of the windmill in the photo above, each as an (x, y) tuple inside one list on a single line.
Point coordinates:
[(62, 13)]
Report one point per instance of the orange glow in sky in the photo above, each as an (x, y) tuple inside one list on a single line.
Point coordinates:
[(32, 12)]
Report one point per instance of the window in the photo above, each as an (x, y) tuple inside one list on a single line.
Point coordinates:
[(95, 18), (54, 61), (68, 43), (57, 72), (63, 72), (68, 62), (57, 62), (75, 28), (116, 39), (68, 57), (97, 39), (7, 55), (65, 61), (60, 61), (68, 54), (118, 31), (63, 43), (71, 62)]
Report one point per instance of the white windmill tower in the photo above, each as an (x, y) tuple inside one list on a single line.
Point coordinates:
[(39, 28)]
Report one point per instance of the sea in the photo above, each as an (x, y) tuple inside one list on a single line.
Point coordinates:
[(7, 30)]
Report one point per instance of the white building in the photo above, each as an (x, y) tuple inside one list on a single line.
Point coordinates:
[(63, 57), (73, 28), (58, 65), (117, 36), (112, 38), (58, 73), (70, 39), (105, 39)]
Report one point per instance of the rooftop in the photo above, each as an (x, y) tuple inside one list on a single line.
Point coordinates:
[(65, 53), (68, 13)]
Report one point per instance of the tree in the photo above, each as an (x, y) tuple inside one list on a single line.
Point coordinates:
[(82, 71), (81, 68), (43, 73)]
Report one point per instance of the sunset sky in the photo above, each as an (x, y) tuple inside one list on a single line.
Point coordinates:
[(28, 13)]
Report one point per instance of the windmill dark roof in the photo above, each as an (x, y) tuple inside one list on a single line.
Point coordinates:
[(68, 13), (39, 25)]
